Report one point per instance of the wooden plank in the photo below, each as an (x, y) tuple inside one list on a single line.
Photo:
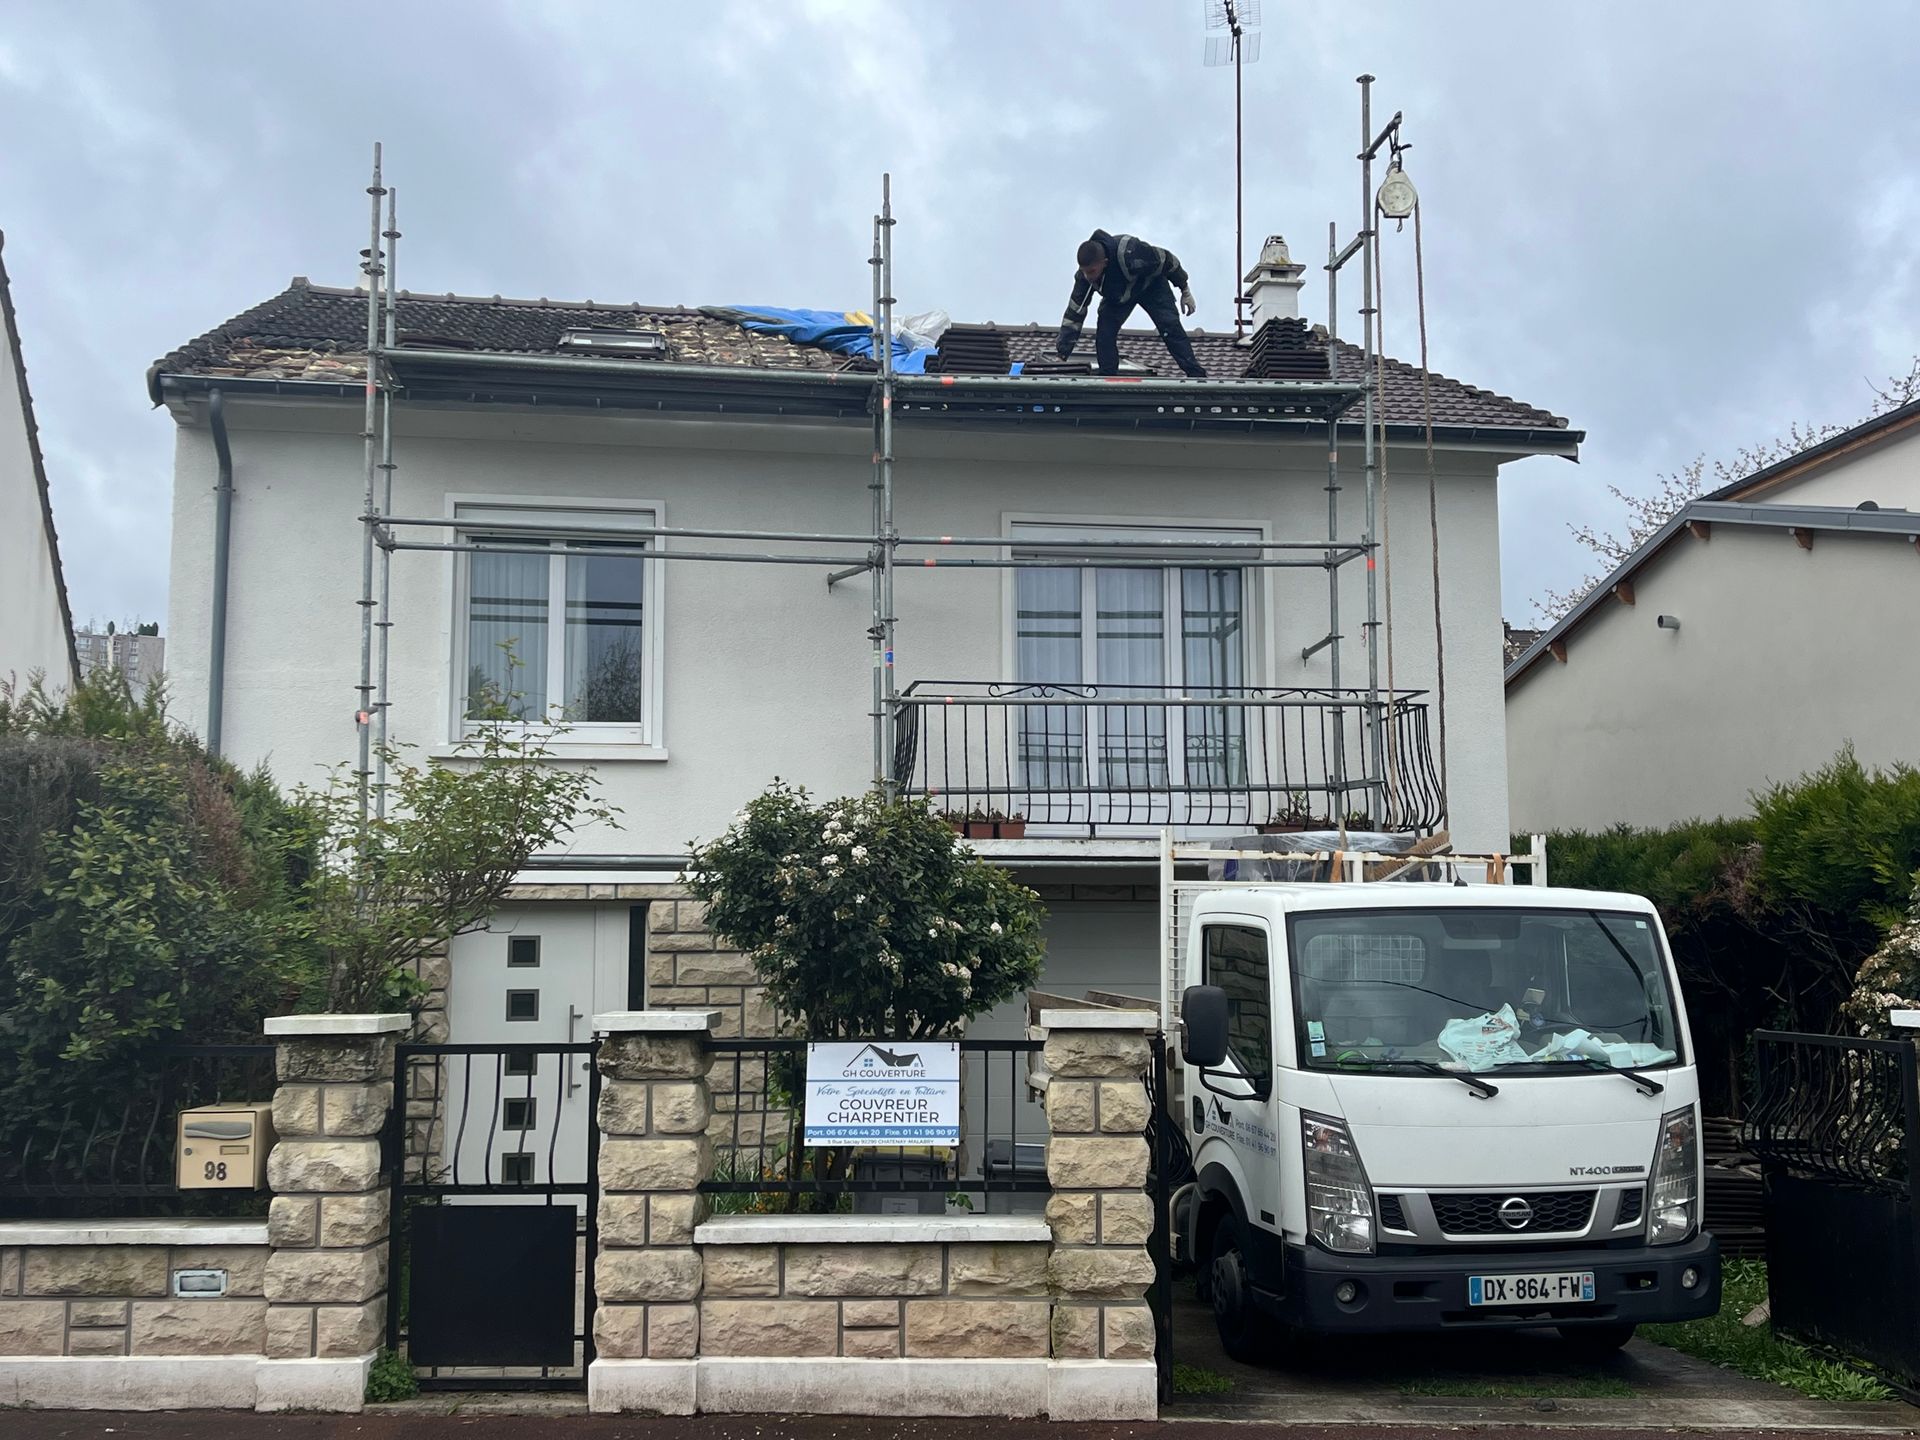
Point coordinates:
[(1623, 592), (1558, 649), (1700, 529), (1803, 537)]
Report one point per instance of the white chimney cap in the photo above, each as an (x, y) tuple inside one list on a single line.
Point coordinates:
[(1273, 284)]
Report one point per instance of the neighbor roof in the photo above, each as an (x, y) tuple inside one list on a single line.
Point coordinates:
[(39, 463), (1872, 431), (316, 333), (1887, 524)]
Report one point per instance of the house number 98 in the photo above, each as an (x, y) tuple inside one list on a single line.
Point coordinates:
[(216, 1172)]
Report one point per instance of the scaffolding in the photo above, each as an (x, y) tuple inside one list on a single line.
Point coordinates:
[(887, 397)]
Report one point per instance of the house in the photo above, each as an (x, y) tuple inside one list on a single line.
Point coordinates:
[(36, 630), (691, 683), (1763, 627)]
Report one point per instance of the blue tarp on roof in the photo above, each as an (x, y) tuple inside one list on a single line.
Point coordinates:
[(844, 332)]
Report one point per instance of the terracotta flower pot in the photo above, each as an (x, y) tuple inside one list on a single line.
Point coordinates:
[(1012, 829)]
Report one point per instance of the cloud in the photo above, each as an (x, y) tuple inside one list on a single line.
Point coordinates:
[(1682, 227)]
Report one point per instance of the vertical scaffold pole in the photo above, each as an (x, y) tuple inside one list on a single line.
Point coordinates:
[(383, 625), (370, 435), (889, 537), (1333, 531), (1376, 763), (877, 627)]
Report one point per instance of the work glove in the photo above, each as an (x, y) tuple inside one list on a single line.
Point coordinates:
[(1187, 304), (1063, 347)]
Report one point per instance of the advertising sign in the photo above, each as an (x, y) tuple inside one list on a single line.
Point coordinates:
[(892, 1092)]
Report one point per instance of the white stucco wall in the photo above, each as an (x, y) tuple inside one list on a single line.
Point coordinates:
[(32, 629), (1887, 472), (766, 672), (1783, 655)]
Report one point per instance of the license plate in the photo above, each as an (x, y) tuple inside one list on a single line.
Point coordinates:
[(1570, 1287)]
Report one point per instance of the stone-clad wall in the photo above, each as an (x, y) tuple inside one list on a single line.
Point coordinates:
[(327, 1278), (117, 1298), (875, 1301)]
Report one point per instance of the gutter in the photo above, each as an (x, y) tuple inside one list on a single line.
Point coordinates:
[(838, 395), (222, 544)]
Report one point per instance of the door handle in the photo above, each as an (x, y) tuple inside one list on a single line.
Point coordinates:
[(573, 1016)]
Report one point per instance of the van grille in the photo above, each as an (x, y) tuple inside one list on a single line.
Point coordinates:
[(1555, 1212), (1392, 1217), (1630, 1206)]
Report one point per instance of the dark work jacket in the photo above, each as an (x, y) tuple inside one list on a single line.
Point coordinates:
[(1132, 266)]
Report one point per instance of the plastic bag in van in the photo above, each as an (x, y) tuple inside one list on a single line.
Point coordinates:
[(1484, 1041)]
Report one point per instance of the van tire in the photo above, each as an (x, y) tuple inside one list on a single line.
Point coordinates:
[(1229, 1287), (1595, 1342)]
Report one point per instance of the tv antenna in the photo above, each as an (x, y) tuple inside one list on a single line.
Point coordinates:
[(1239, 45)]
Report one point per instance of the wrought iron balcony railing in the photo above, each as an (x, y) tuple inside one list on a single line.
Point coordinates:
[(1104, 759)]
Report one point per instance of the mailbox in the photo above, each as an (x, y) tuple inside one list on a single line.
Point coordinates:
[(224, 1147)]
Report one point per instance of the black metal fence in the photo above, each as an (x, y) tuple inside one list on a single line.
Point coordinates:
[(1090, 758), (1835, 1122), (116, 1154), (762, 1164)]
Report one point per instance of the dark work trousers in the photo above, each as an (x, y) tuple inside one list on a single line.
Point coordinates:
[(1163, 310)]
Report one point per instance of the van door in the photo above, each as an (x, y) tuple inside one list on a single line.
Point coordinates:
[(1237, 955)]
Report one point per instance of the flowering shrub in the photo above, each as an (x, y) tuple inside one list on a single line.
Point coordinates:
[(865, 917), (1889, 979)]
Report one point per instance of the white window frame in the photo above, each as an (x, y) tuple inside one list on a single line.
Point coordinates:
[(1252, 586), (645, 740)]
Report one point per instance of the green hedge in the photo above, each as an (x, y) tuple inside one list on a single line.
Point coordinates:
[(1769, 917)]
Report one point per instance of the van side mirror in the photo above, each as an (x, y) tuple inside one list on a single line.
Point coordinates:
[(1203, 1020)]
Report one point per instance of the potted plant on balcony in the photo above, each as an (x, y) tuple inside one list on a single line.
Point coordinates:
[(1009, 827), (1294, 816)]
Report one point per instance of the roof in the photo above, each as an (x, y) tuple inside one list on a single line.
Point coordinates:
[(1888, 524), (316, 333), (39, 462), (1868, 432)]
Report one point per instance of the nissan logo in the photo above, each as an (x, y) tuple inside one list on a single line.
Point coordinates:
[(1515, 1213)]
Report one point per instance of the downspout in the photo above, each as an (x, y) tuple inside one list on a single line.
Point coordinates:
[(222, 534)]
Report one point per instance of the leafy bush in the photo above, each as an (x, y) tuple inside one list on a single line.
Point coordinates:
[(396, 887), (867, 918), (148, 893), (1772, 918)]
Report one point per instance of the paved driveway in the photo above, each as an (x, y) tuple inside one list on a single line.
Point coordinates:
[(1380, 1382)]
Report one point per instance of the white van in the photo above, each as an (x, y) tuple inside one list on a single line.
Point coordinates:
[(1438, 1106)]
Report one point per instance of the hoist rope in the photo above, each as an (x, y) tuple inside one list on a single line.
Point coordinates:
[(1378, 321), (1433, 503)]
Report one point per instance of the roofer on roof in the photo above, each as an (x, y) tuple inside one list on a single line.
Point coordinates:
[(1127, 271)]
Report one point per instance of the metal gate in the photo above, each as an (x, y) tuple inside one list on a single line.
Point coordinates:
[(1836, 1123), (493, 1229)]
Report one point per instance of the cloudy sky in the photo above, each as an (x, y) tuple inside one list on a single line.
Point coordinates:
[(1681, 225)]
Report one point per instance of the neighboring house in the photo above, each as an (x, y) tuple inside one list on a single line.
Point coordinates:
[(36, 630), (1762, 628), (140, 657), (694, 684)]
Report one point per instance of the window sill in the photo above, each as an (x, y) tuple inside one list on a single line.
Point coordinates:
[(562, 751)]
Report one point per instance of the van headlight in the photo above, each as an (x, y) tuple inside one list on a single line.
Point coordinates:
[(1339, 1199), (1676, 1179)]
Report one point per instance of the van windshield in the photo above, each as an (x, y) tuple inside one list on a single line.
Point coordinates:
[(1484, 989)]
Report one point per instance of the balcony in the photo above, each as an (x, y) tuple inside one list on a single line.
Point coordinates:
[(1110, 761)]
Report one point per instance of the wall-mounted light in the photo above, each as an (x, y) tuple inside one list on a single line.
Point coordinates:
[(1668, 622)]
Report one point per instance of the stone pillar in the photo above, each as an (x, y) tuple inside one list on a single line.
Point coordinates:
[(1100, 1212), (326, 1285), (654, 1152)]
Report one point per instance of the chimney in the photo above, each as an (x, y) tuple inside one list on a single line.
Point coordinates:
[(1273, 284)]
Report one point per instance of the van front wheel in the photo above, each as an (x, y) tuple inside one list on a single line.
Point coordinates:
[(1231, 1290)]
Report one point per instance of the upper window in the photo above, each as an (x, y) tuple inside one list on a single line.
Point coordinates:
[(560, 628), (1236, 959), (1152, 636)]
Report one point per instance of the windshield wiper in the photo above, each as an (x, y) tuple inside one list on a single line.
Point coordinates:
[(1647, 1084), (1483, 1089)]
